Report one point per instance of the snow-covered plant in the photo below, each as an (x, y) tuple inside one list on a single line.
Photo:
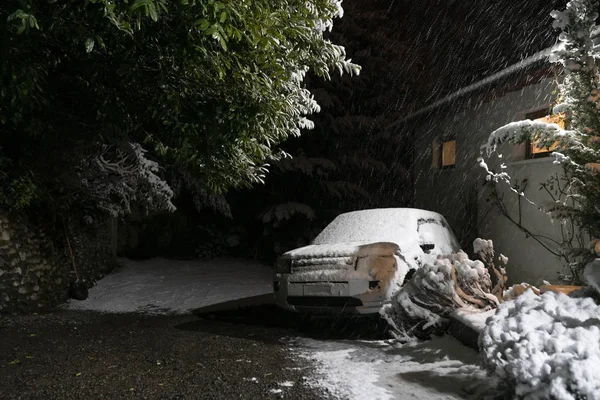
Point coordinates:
[(518, 289), (577, 147), (422, 305), (121, 176), (545, 347), (485, 250)]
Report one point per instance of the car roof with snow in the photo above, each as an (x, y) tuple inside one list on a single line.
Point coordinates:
[(409, 228), (396, 225)]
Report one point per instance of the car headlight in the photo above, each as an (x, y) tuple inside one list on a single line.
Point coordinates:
[(283, 266)]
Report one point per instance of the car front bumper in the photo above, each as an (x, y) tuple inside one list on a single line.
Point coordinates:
[(353, 296)]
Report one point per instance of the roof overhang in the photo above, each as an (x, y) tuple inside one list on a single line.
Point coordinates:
[(537, 57)]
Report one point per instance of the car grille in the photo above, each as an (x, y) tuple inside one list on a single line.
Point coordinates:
[(322, 301), (315, 264)]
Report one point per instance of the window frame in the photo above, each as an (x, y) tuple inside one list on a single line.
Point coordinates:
[(441, 151), (437, 146), (529, 154)]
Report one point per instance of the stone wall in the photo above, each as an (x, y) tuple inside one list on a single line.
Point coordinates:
[(94, 247), (35, 265)]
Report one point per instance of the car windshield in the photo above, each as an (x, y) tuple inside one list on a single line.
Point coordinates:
[(409, 228)]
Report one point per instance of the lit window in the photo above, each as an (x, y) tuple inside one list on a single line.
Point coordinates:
[(594, 167), (449, 153), (533, 151), (444, 153)]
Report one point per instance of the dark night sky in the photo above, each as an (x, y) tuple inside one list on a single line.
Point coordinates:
[(458, 42), (478, 37)]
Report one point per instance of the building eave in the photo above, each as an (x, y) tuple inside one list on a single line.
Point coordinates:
[(521, 65)]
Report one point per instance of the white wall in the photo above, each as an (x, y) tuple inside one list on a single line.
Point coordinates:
[(457, 193)]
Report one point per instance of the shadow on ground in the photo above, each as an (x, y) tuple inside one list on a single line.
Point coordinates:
[(451, 384), (259, 311)]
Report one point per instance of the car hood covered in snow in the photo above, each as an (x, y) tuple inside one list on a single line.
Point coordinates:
[(384, 231), (335, 250)]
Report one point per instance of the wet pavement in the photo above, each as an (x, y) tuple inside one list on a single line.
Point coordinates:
[(215, 354)]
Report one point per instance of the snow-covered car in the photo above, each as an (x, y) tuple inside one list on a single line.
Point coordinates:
[(359, 260)]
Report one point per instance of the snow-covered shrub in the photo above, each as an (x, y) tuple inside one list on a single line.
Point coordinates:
[(484, 249), (121, 176), (436, 289), (545, 347)]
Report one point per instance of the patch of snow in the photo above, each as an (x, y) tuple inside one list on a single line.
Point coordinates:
[(546, 346), (516, 290), (286, 384), (503, 259), (161, 286), (483, 247), (474, 318), (442, 368)]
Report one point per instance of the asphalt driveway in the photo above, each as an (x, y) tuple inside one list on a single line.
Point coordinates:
[(87, 355)]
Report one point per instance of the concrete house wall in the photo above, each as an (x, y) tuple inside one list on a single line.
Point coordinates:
[(459, 194)]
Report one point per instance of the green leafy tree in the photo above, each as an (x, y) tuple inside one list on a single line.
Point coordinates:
[(353, 158), (106, 102)]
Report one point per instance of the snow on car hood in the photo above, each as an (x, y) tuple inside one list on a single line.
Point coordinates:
[(335, 250)]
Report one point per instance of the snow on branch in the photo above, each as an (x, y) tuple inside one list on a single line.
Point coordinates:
[(118, 177), (326, 24), (521, 131)]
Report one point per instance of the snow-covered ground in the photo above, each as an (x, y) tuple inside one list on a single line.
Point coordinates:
[(441, 368), (474, 318), (176, 286)]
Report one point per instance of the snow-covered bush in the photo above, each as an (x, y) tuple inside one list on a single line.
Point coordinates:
[(485, 250), (575, 195), (436, 289), (121, 176), (545, 347)]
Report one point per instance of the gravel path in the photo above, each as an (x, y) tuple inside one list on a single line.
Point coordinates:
[(85, 355)]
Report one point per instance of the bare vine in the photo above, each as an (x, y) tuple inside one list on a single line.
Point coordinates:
[(570, 248)]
